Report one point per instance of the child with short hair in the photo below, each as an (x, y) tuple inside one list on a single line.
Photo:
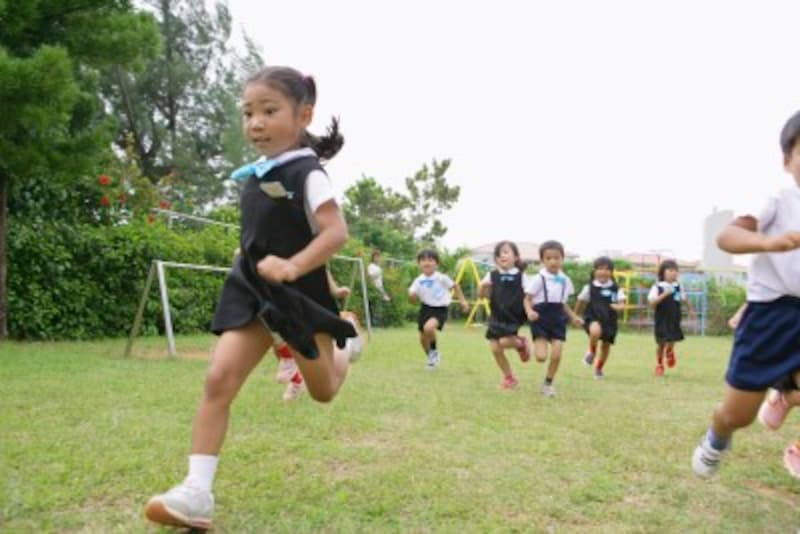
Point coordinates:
[(505, 287), (601, 299), (432, 290), (766, 347), (548, 312), (666, 297)]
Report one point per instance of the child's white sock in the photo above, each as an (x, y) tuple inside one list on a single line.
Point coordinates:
[(202, 468)]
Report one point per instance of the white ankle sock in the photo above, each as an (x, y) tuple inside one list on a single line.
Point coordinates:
[(202, 468)]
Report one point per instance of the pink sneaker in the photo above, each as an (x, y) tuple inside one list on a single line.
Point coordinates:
[(791, 459), (773, 410), (293, 391), (524, 348), (671, 359), (509, 382), (659, 370), (286, 370)]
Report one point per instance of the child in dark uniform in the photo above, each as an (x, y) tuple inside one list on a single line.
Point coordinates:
[(601, 299), (278, 288), (432, 290), (547, 309), (666, 297), (506, 289), (766, 347)]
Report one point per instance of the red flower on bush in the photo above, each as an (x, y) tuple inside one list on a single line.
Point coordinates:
[(104, 180), (104, 201), (164, 204), (151, 218), (122, 198)]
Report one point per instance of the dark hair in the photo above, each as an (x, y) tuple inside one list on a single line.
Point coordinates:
[(302, 90), (550, 245), (428, 254), (790, 133), (518, 263), (666, 264), (602, 261), (375, 252)]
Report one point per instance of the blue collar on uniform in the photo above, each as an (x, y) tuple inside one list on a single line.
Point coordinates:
[(263, 165)]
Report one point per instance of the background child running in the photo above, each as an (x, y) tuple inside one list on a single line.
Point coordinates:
[(666, 297), (432, 290), (291, 226), (766, 347), (601, 299), (547, 309), (505, 287), (288, 373)]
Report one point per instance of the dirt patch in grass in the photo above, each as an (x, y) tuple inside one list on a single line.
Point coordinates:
[(776, 494)]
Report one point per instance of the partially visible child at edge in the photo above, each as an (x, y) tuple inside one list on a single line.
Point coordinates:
[(432, 290), (288, 373), (291, 226), (547, 309), (505, 287), (766, 347), (601, 299), (666, 297)]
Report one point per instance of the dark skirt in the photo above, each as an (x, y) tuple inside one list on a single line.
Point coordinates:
[(498, 329), (295, 316), (766, 347), (668, 330)]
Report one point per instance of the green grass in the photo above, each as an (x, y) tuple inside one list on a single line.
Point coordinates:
[(86, 437)]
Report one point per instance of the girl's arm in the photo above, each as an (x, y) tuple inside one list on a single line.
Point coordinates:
[(332, 235), (580, 307), (460, 295), (742, 237), (484, 289), (618, 306), (660, 298), (734, 321), (337, 291)]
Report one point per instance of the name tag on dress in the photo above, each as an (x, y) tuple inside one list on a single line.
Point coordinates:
[(275, 190)]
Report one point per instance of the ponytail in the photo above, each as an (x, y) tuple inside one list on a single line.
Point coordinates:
[(328, 145)]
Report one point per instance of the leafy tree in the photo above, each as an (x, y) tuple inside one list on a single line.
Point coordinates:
[(396, 222), (179, 109), (53, 124)]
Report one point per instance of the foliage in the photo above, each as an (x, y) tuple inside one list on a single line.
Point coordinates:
[(82, 281), (723, 300)]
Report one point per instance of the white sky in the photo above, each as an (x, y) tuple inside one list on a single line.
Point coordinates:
[(606, 125)]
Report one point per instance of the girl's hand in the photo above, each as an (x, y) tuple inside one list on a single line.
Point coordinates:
[(533, 316), (733, 322), (342, 292), (465, 306), (577, 321), (277, 270), (782, 243), (668, 290)]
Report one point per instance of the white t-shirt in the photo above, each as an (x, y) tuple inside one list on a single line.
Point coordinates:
[(774, 274), (677, 295), (433, 290), (318, 189), (559, 287), (585, 295), (487, 279), (375, 274)]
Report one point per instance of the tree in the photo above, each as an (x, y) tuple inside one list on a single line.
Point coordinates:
[(53, 124), (179, 108), (429, 196), (395, 222)]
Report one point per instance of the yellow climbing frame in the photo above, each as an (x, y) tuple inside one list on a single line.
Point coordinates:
[(468, 268)]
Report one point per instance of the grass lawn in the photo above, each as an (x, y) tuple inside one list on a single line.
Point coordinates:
[(86, 437)]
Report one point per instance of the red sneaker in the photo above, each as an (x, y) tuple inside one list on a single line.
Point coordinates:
[(509, 382), (659, 370), (671, 359)]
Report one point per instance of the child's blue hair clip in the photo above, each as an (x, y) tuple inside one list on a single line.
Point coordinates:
[(258, 168)]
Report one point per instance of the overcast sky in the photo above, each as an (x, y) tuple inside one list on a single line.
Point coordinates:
[(606, 125)]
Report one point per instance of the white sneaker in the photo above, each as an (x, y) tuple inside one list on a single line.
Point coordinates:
[(548, 390), (287, 367), (182, 506), (354, 345), (293, 391), (706, 459), (433, 359)]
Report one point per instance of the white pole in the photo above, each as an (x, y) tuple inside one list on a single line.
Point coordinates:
[(162, 284), (367, 314)]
